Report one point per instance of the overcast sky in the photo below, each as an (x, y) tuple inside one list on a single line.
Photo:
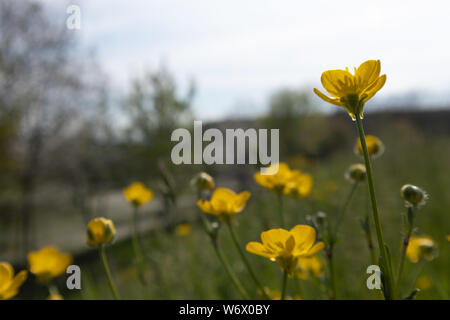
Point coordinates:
[(240, 51)]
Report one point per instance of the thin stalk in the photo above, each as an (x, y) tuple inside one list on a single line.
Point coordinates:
[(376, 216), (137, 248), (373, 258), (404, 247), (284, 285), (344, 208), (222, 258), (332, 235), (281, 209), (368, 231), (332, 277), (244, 259), (112, 287), (230, 272)]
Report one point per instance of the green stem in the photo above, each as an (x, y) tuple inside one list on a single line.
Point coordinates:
[(281, 209), (112, 287), (230, 272), (244, 259), (373, 258), (344, 207), (376, 216), (332, 278), (137, 248), (404, 247), (223, 260), (283, 287), (332, 235), (368, 231)]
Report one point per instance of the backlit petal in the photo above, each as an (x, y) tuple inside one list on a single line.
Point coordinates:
[(367, 73)]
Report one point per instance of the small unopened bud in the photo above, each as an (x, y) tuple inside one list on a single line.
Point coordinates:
[(213, 230), (356, 173), (203, 181), (100, 231), (321, 218), (413, 195)]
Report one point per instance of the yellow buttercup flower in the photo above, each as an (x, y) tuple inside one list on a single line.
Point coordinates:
[(375, 146), (300, 185), (352, 91), (276, 295), (448, 237), (286, 247), (183, 229), (421, 248), (224, 203), (10, 284), (203, 181), (55, 296), (424, 283), (309, 266), (100, 231), (285, 181), (138, 194), (48, 263)]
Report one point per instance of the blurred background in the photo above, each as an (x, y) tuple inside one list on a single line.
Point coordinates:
[(85, 112)]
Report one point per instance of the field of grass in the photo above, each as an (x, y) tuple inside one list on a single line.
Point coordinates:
[(186, 267)]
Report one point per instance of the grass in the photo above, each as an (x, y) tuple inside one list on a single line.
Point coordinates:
[(187, 268)]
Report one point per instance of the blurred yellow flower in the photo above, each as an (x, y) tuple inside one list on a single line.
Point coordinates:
[(352, 91), (286, 181), (203, 181), (10, 284), (183, 229), (448, 237), (138, 194), (421, 248), (309, 266), (375, 146), (286, 247), (424, 282), (48, 263), (55, 296), (100, 231), (300, 186), (224, 203), (276, 295)]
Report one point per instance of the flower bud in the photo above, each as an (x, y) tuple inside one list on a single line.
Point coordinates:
[(321, 218), (413, 195), (100, 231), (356, 173), (203, 181), (375, 146)]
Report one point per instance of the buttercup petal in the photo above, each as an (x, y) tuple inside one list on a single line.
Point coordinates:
[(375, 87), (316, 248), (327, 98), (257, 248), (367, 73), (338, 83), (305, 236)]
